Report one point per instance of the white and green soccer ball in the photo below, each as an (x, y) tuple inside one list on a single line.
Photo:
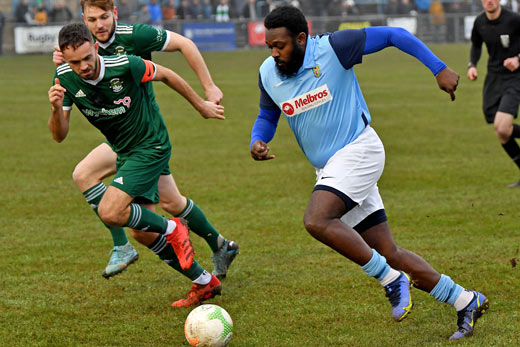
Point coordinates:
[(208, 326)]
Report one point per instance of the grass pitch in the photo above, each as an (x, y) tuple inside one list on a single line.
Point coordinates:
[(444, 187)]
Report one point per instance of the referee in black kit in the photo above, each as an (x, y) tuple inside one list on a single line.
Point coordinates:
[(499, 29)]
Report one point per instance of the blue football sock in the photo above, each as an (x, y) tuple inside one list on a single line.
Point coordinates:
[(377, 266), (446, 290)]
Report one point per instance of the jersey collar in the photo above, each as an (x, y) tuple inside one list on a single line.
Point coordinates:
[(308, 60), (101, 72), (105, 45)]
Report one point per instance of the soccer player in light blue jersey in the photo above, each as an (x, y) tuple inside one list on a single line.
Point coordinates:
[(312, 82)]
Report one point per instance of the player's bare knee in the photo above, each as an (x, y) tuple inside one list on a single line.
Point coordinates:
[(314, 225), (110, 216), (503, 136), (80, 175), (503, 131)]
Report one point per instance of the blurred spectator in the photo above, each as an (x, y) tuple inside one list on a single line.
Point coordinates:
[(155, 12), (124, 11), (342, 8), (169, 13), (168, 10), (453, 7), (318, 8), (438, 19), (22, 13), (222, 12), (406, 7), (423, 5), (184, 10), (249, 10), (453, 22), (60, 13), (294, 3), (40, 14), (196, 9), (465, 6), (207, 9), (267, 6), (392, 7), (144, 15), (349, 8)]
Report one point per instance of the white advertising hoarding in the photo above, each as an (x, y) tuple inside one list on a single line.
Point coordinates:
[(468, 26), (408, 23), (37, 39)]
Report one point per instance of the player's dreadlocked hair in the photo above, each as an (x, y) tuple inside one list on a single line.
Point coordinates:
[(74, 35), (289, 17)]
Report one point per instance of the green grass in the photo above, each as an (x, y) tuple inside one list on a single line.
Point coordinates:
[(444, 187)]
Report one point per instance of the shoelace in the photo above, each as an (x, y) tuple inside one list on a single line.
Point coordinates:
[(393, 293), (195, 288), (220, 253), (115, 255)]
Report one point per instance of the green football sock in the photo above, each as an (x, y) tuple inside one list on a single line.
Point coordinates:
[(200, 225), (93, 196), (165, 251), (145, 220)]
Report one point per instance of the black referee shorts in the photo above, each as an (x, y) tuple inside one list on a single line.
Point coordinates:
[(501, 94)]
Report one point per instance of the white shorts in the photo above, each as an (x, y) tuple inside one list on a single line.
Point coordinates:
[(353, 171)]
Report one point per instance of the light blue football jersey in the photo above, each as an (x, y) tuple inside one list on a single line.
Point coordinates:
[(322, 102)]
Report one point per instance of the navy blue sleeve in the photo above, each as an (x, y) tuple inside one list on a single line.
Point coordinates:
[(378, 38), (265, 99), (265, 125), (267, 121), (348, 45)]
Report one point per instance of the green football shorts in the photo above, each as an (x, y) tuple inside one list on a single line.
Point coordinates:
[(138, 174)]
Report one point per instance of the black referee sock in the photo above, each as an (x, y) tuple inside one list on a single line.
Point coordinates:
[(516, 131), (513, 150)]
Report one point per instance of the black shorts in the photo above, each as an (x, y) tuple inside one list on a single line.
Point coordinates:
[(501, 94)]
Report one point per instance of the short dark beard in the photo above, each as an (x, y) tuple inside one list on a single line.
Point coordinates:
[(295, 61), (96, 66), (111, 33), (95, 72)]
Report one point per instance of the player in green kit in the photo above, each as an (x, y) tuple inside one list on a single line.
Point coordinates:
[(100, 16), (111, 92)]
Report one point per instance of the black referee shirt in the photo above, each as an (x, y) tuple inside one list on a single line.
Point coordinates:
[(502, 39)]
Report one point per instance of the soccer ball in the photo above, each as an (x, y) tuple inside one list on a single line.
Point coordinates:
[(208, 326)]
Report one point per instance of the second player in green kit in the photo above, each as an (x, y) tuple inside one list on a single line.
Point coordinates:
[(111, 93), (115, 38)]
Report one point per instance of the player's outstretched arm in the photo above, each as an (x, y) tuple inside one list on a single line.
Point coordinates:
[(378, 38), (194, 58), (59, 119), (207, 109)]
